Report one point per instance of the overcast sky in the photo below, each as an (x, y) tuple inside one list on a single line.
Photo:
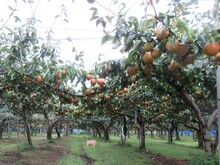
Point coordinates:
[(84, 33)]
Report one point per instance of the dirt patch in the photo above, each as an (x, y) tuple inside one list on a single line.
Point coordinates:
[(8, 140), (43, 154), (86, 158), (46, 153), (157, 159), (10, 157)]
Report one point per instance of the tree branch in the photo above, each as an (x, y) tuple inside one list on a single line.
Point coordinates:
[(212, 118)]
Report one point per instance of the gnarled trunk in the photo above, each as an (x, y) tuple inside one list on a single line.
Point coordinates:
[(27, 128), (2, 123), (170, 133), (67, 129), (199, 138), (49, 133), (177, 133), (205, 126), (106, 134), (58, 132), (1, 130), (141, 127), (215, 144), (123, 131), (142, 136), (104, 128), (207, 140), (98, 131)]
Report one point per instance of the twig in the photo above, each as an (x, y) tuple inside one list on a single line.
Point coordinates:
[(106, 8), (155, 13), (9, 17)]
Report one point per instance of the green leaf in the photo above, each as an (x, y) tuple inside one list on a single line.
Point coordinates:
[(60, 61), (66, 20), (103, 23), (94, 14), (98, 21), (182, 26), (106, 38), (109, 18), (73, 49), (167, 23), (17, 19)]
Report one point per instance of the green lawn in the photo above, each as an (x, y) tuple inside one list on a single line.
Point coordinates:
[(110, 153)]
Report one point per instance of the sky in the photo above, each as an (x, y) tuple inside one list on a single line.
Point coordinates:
[(83, 32)]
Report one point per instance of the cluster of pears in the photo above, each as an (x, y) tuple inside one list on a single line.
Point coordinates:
[(148, 57)]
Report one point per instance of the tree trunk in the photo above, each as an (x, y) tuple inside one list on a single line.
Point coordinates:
[(138, 133), (199, 138), (128, 134), (98, 131), (215, 144), (141, 125), (122, 136), (49, 133), (207, 141), (205, 126), (177, 133), (194, 135), (106, 134), (151, 133), (28, 132), (1, 130), (2, 123), (170, 135), (142, 136), (67, 129), (58, 132), (161, 134), (123, 131)]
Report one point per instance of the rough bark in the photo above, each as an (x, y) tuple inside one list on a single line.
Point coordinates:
[(67, 129), (199, 138), (27, 128), (123, 131), (51, 125), (197, 133), (58, 132), (106, 134), (2, 123), (141, 126), (49, 133), (104, 128), (215, 144), (170, 133), (205, 127), (151, 133), (177, 133), (98, 131)]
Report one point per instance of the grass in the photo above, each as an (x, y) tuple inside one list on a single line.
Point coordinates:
[(108, 153), (75, 146), (111, 153), (9, 142), (184, 149)]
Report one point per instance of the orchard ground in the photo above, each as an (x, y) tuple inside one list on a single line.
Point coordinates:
[(73, 150)]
